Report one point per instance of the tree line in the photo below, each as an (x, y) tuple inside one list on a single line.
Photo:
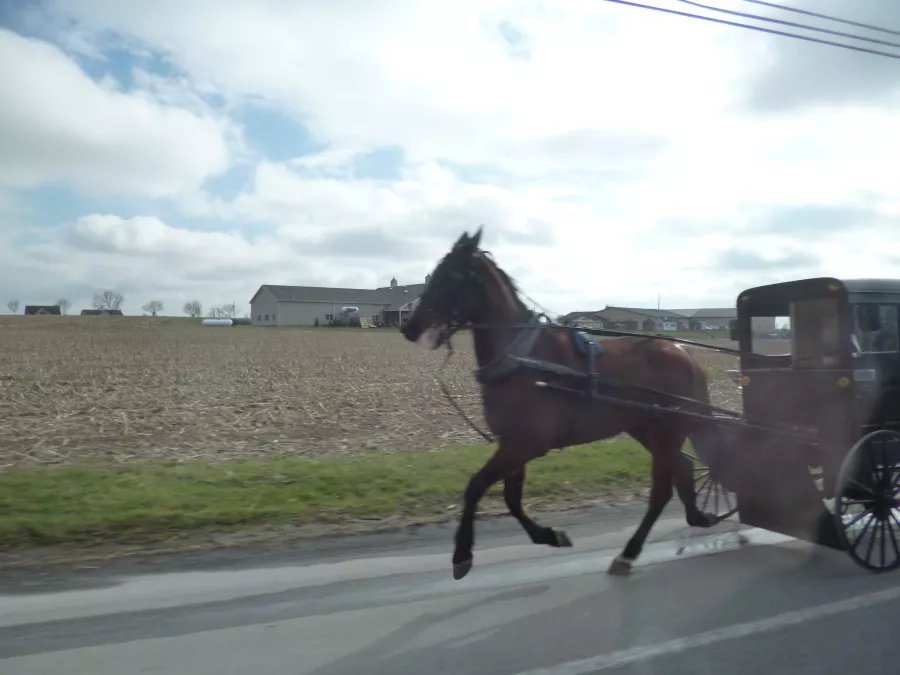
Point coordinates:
[(112, 300)]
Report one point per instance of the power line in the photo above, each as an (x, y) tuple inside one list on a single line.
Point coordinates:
[(824, 16), (790, 23), (756, 28)]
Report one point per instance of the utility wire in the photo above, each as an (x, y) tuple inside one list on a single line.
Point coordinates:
[(824, 16), (790, 23), (756, 28)]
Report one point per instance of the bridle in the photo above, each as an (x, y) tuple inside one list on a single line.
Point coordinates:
[(465, 286)]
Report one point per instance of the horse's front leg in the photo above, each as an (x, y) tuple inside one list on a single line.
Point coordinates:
[(660, 494), (513, 487), (496, 468)]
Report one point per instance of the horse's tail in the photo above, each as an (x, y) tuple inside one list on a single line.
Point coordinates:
[(710, 440), (705, 437)]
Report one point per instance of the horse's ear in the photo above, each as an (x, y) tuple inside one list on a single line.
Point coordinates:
[(474, 241), (462, 241)]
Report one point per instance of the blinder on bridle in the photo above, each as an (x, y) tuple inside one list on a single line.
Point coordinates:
[(459, 287)]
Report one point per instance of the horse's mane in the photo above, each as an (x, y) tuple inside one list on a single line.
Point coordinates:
[(512, 287)]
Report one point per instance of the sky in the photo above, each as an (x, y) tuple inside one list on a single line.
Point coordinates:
[(195, 150)]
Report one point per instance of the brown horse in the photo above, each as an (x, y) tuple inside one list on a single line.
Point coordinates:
[(467, 289)]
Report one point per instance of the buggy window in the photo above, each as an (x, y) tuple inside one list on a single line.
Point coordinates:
[(883, 338), (770, 335), (816, 327)]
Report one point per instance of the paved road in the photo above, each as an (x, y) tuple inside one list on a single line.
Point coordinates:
[(700, 603)]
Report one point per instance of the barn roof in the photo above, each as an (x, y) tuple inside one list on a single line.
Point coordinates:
[(391, 298), (42, 309), (101, 312)]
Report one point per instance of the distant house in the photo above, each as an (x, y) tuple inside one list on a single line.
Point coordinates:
[(583, 320), (631, 318), (307, 305), (662, 320), (42, 310), (709, 319), (101, 312)]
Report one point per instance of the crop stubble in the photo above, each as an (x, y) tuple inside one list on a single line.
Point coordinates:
[(126, 389)]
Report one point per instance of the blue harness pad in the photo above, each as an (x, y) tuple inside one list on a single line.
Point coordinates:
[(581, 340)]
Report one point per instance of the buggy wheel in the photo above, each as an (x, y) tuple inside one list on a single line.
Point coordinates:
[(867, 501), (710, 492)]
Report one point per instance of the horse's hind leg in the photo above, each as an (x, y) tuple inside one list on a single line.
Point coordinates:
[(660, 494), (684, 484), (513, 486)]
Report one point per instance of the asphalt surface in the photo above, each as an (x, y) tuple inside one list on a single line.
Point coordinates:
[(700, 602)]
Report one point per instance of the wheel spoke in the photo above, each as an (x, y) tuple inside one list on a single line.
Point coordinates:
[(895, 518), (868, 484), (871, 542), (708, 488), (864, 530), (861, 486), (895, 482), (890, 527), (857, 502), (700, 491), (853, 522)]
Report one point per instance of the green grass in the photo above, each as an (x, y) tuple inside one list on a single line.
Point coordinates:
[(140, 503)]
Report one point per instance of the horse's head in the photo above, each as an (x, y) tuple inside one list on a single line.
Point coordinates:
[(452, 297)]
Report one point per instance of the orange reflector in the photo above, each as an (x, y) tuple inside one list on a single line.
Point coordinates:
[(833, 287), (745, 380), (843, 382)]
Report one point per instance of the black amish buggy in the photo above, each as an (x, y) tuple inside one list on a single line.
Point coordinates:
[(817, 453)]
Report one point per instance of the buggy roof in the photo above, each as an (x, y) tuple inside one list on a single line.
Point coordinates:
[(772, 299)]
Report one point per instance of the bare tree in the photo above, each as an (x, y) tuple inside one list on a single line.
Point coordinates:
[(64, 306), (227, 311), (153, 307), (13, 306), (108, 300), (193, 308)]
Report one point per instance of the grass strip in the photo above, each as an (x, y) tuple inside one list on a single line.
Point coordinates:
[(146, 502)]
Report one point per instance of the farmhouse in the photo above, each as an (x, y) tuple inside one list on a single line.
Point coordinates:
[(42, 310), (304, 305), (101, 312)]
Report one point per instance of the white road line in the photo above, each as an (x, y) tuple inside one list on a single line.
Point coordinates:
[(601, 662)]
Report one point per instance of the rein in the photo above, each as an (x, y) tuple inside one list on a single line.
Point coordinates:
[(462, 413), (448, 336)]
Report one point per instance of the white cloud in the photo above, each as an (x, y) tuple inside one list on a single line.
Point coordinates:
[(56, 124), (439, 80)]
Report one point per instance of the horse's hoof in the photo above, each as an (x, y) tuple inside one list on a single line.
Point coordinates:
[(562, 539), (620, 566), (461, 569), (711, 519)]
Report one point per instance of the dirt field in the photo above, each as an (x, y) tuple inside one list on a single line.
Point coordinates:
[(74, 388)]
